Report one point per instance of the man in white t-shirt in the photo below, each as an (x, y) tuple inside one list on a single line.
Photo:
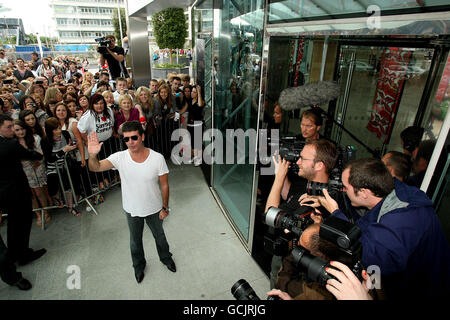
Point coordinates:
[(145, 191)]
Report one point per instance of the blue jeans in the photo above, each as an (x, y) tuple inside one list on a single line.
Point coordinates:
[(136, 227)]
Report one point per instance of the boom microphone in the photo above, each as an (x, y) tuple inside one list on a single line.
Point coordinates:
[(311, 94)]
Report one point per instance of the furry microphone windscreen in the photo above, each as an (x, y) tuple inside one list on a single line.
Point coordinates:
[(310, 94)]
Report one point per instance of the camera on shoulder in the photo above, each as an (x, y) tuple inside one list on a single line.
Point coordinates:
[(103, 43)]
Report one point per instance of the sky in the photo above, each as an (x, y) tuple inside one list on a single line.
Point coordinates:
[(36, 15)]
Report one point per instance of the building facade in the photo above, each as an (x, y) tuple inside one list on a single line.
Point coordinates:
[(12, 27), (80, 22)]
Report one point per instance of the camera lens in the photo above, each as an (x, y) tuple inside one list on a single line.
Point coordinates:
[(242, 290)]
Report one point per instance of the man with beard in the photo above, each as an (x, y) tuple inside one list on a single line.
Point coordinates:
[(317, 160)]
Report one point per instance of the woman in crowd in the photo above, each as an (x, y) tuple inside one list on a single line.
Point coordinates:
[(109, 98), (164, 103), (52, 96), (71, 88), (29, 118), (196, 120), (45, 66), (34, 170), (37, 89), (27, 103), (126, 113), (99, 119), (144, 103), (82, 105), (55, 145), (40, 112)]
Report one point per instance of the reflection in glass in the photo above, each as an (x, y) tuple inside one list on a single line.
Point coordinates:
[(237, 64)]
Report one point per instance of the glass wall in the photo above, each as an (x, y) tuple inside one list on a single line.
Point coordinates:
[(294, 10), (238, 36), (381, 91)]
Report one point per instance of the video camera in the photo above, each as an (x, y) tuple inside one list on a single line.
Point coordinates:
[(102, 44), (295, 221), (342, 238)]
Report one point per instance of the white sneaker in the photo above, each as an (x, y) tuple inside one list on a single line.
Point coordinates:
[(88, 208), (197, 161)]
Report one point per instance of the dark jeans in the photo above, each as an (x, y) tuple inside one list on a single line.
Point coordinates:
[(136, 226), (7, 268)]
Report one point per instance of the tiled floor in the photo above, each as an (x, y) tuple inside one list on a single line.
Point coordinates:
[(209, 256)]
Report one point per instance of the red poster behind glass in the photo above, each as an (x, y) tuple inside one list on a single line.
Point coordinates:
[(390, 84)]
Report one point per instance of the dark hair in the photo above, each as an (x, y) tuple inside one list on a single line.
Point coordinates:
[(37, 127), (400, 163), (66, 120), (176, 78), (411, 137), (34, 54), (370, 174), (94, 99), (103, 73), (425, 150), (4, 117), (313, 114), (325, 152), (29, 138), (81, 96), (120, 79), (51, 124), (132, 126), (22, 101), (70, 94)]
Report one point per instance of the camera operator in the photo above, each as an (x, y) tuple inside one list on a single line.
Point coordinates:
[(115, 56), (400, 233), (316, 161)]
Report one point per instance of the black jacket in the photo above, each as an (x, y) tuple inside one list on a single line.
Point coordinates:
[(13, 181)]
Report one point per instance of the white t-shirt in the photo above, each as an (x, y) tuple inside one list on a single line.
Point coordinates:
[(141, 194), (103, 128)]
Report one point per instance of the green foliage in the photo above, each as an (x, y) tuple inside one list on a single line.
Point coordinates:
[(170, 28), (115, 22), (170, 65)]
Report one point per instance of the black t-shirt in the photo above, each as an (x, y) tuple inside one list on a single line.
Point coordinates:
[(113, 64), (195, 113)]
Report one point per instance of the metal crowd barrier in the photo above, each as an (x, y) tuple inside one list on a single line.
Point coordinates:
[(87, 187)]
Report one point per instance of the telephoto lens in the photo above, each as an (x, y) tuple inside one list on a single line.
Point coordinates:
[(242, 290), (314, 266)]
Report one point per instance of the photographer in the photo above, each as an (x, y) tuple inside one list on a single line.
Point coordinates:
[(317, 159), (400, 233), (115, 57)]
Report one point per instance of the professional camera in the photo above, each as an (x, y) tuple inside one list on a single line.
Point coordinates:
[(242, 290), (344, 236), (102, 44), (295, 221), (280, 243)]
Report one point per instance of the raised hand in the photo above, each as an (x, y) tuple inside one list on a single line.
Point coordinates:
[(94, 146)]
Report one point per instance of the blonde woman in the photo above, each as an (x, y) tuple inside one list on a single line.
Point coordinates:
[(52, 96), (126, 113), (144, 102), (109, 98)]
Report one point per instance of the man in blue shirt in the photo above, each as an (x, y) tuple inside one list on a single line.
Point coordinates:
[(400, 233)]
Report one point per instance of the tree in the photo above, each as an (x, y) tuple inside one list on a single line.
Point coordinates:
[(170, 29), (115, 22)]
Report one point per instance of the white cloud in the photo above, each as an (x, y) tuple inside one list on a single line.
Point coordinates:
[(37, 16)]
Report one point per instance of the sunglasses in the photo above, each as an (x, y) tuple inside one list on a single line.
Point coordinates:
[(134, 138)]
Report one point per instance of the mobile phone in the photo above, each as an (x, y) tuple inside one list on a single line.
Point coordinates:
[(125, 90), (39, 81), (177, 94), (8, 81)]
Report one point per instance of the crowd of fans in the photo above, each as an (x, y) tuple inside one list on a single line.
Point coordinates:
[(57, 102)]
